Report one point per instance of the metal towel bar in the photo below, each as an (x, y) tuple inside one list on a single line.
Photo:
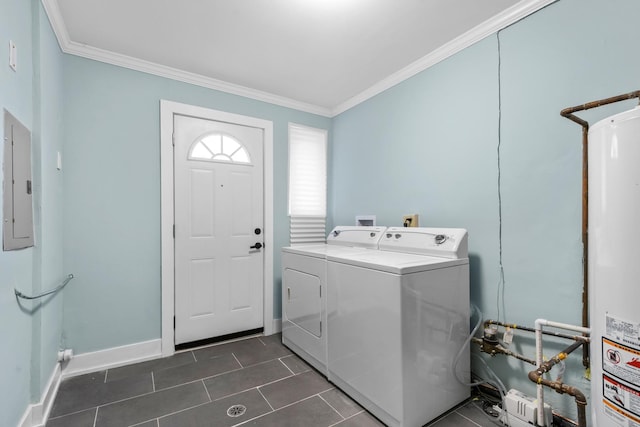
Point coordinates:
[(40, 295)]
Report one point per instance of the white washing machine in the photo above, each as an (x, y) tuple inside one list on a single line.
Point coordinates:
[(397, 318), (304, 289)]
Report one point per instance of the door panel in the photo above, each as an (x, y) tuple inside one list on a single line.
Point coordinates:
[(218, 203), (202, 203), (303, 305), (202, 273)]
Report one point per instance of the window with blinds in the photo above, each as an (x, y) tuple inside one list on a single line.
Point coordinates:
[(307, 184)]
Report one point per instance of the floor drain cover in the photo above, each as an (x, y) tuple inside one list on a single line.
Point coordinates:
[(236, 410)]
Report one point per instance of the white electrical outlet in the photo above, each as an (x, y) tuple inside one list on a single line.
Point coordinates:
[(13, 56)]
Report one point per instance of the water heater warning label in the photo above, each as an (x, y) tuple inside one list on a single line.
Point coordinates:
[(621, 417), (621, 361), (622, 331), (624, 397)]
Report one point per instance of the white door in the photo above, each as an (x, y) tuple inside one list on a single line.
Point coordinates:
[(218, 204)]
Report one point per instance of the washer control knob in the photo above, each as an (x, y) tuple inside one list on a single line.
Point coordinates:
[(398, 235), (440, 239)]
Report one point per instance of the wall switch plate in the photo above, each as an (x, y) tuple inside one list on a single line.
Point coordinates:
[(13, 56), (410, 220)]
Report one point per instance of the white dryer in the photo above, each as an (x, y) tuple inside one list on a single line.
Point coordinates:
[(304, 289), (397, 318)]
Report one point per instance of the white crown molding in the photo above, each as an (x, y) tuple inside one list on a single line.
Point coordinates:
[(85, 51), (506, 18)]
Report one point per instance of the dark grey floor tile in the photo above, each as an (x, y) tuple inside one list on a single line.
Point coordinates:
[(453, 420), (312, 412), (150, 366), (214, 414), (79, 419), (294, 388), (225, 348), (271, 339), (475, 413), (195, 371), (363, 419), (341, 402), (272, 349), (80, 393), (152, 405), (249, 351), (152, 423), (296, 364), (246, 378)]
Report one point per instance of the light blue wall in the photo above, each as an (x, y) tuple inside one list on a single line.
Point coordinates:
[(112, 196), (16, 266), (49, 200), (31, 333), (429, 146)]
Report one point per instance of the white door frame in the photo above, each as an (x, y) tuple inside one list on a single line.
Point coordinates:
[(167, 110)]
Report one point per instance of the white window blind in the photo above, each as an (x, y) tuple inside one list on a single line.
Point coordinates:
[(307, 183)]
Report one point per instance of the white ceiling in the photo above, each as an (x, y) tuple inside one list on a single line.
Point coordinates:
[(321, 56)]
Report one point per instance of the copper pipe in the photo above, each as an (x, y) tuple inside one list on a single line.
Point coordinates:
[(585, 240), (568, 113), (537, 377)]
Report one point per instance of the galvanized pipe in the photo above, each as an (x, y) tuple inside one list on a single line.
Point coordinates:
[(532, 330), (539, 324), (537, 377), (569, 114)]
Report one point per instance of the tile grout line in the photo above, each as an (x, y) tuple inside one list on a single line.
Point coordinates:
[(285, 365), (95, 418), (72, 413), (207, 390), (182, 410), (142, 422), (330, 405), (153, 382), (348, 418), (140, 395), (293, 403), (234, 356), (193, 353), (106, 373), (265, 399), (467, 418), (256, 417)]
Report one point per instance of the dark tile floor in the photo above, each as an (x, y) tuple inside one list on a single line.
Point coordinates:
[(210, 386)]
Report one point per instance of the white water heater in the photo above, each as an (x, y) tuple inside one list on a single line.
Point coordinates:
[(614, 269)]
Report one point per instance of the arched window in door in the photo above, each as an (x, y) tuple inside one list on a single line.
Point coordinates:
[(219, 147)]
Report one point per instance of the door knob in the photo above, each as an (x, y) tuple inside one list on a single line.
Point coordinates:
[(256, 246)]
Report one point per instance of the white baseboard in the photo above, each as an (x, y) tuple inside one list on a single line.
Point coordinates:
[(37, 414), (112, 358), (277, 326)]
